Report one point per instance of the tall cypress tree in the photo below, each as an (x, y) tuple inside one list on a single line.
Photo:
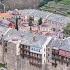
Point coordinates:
[(39, 23), (16, 24), (31, 19)]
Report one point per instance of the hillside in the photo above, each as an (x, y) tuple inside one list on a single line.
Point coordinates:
[(60, 7), (21, 4)]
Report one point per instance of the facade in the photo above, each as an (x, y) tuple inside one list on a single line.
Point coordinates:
[(25, 50), (13, 55), (31, 50), (35, 54), (60, 54), (3, 32)]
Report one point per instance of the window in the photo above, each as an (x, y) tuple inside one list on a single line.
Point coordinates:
[(44, 55), (48, 54), (37, 55), (44, 50), (28, 47), (67, 64), (5, 49), (26, 52), (48, 60), (53, 29), (44, 61), (48, 49), (31, 54), (5, 44), (54, 64), (62, 62), (39, 50)]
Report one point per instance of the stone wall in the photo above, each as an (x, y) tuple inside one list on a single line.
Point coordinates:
[(11, 57)]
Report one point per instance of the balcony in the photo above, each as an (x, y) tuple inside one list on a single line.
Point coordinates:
[(36, 57), (25, 48), (55, 57), (54, 64), (61, 59), (36, 63), (65, 61), (55, 52), (25, 53)]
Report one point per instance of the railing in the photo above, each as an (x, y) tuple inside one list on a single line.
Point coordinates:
[(57, 58), (36, 57), (25, 49), (36, 64)]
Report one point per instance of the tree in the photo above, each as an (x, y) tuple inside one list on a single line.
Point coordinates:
[(67, 30), (16, 24), (17, 18), (56, 1), (39, 23), (31, 19)]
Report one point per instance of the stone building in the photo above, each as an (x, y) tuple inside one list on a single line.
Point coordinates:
[(13, 55), (26, 51), (60, 54), (3, 32)]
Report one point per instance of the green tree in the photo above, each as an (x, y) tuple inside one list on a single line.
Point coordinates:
[(56, 1), (44, 2), (39, 23), (16, 24), (31, 19), (17, 19)]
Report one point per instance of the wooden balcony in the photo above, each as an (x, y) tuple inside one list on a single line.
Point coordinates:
[(35, 64), (25, 49), (25, 53), (54, 64), (60, 59), (35, 57), (56, 58), (56, 52)]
